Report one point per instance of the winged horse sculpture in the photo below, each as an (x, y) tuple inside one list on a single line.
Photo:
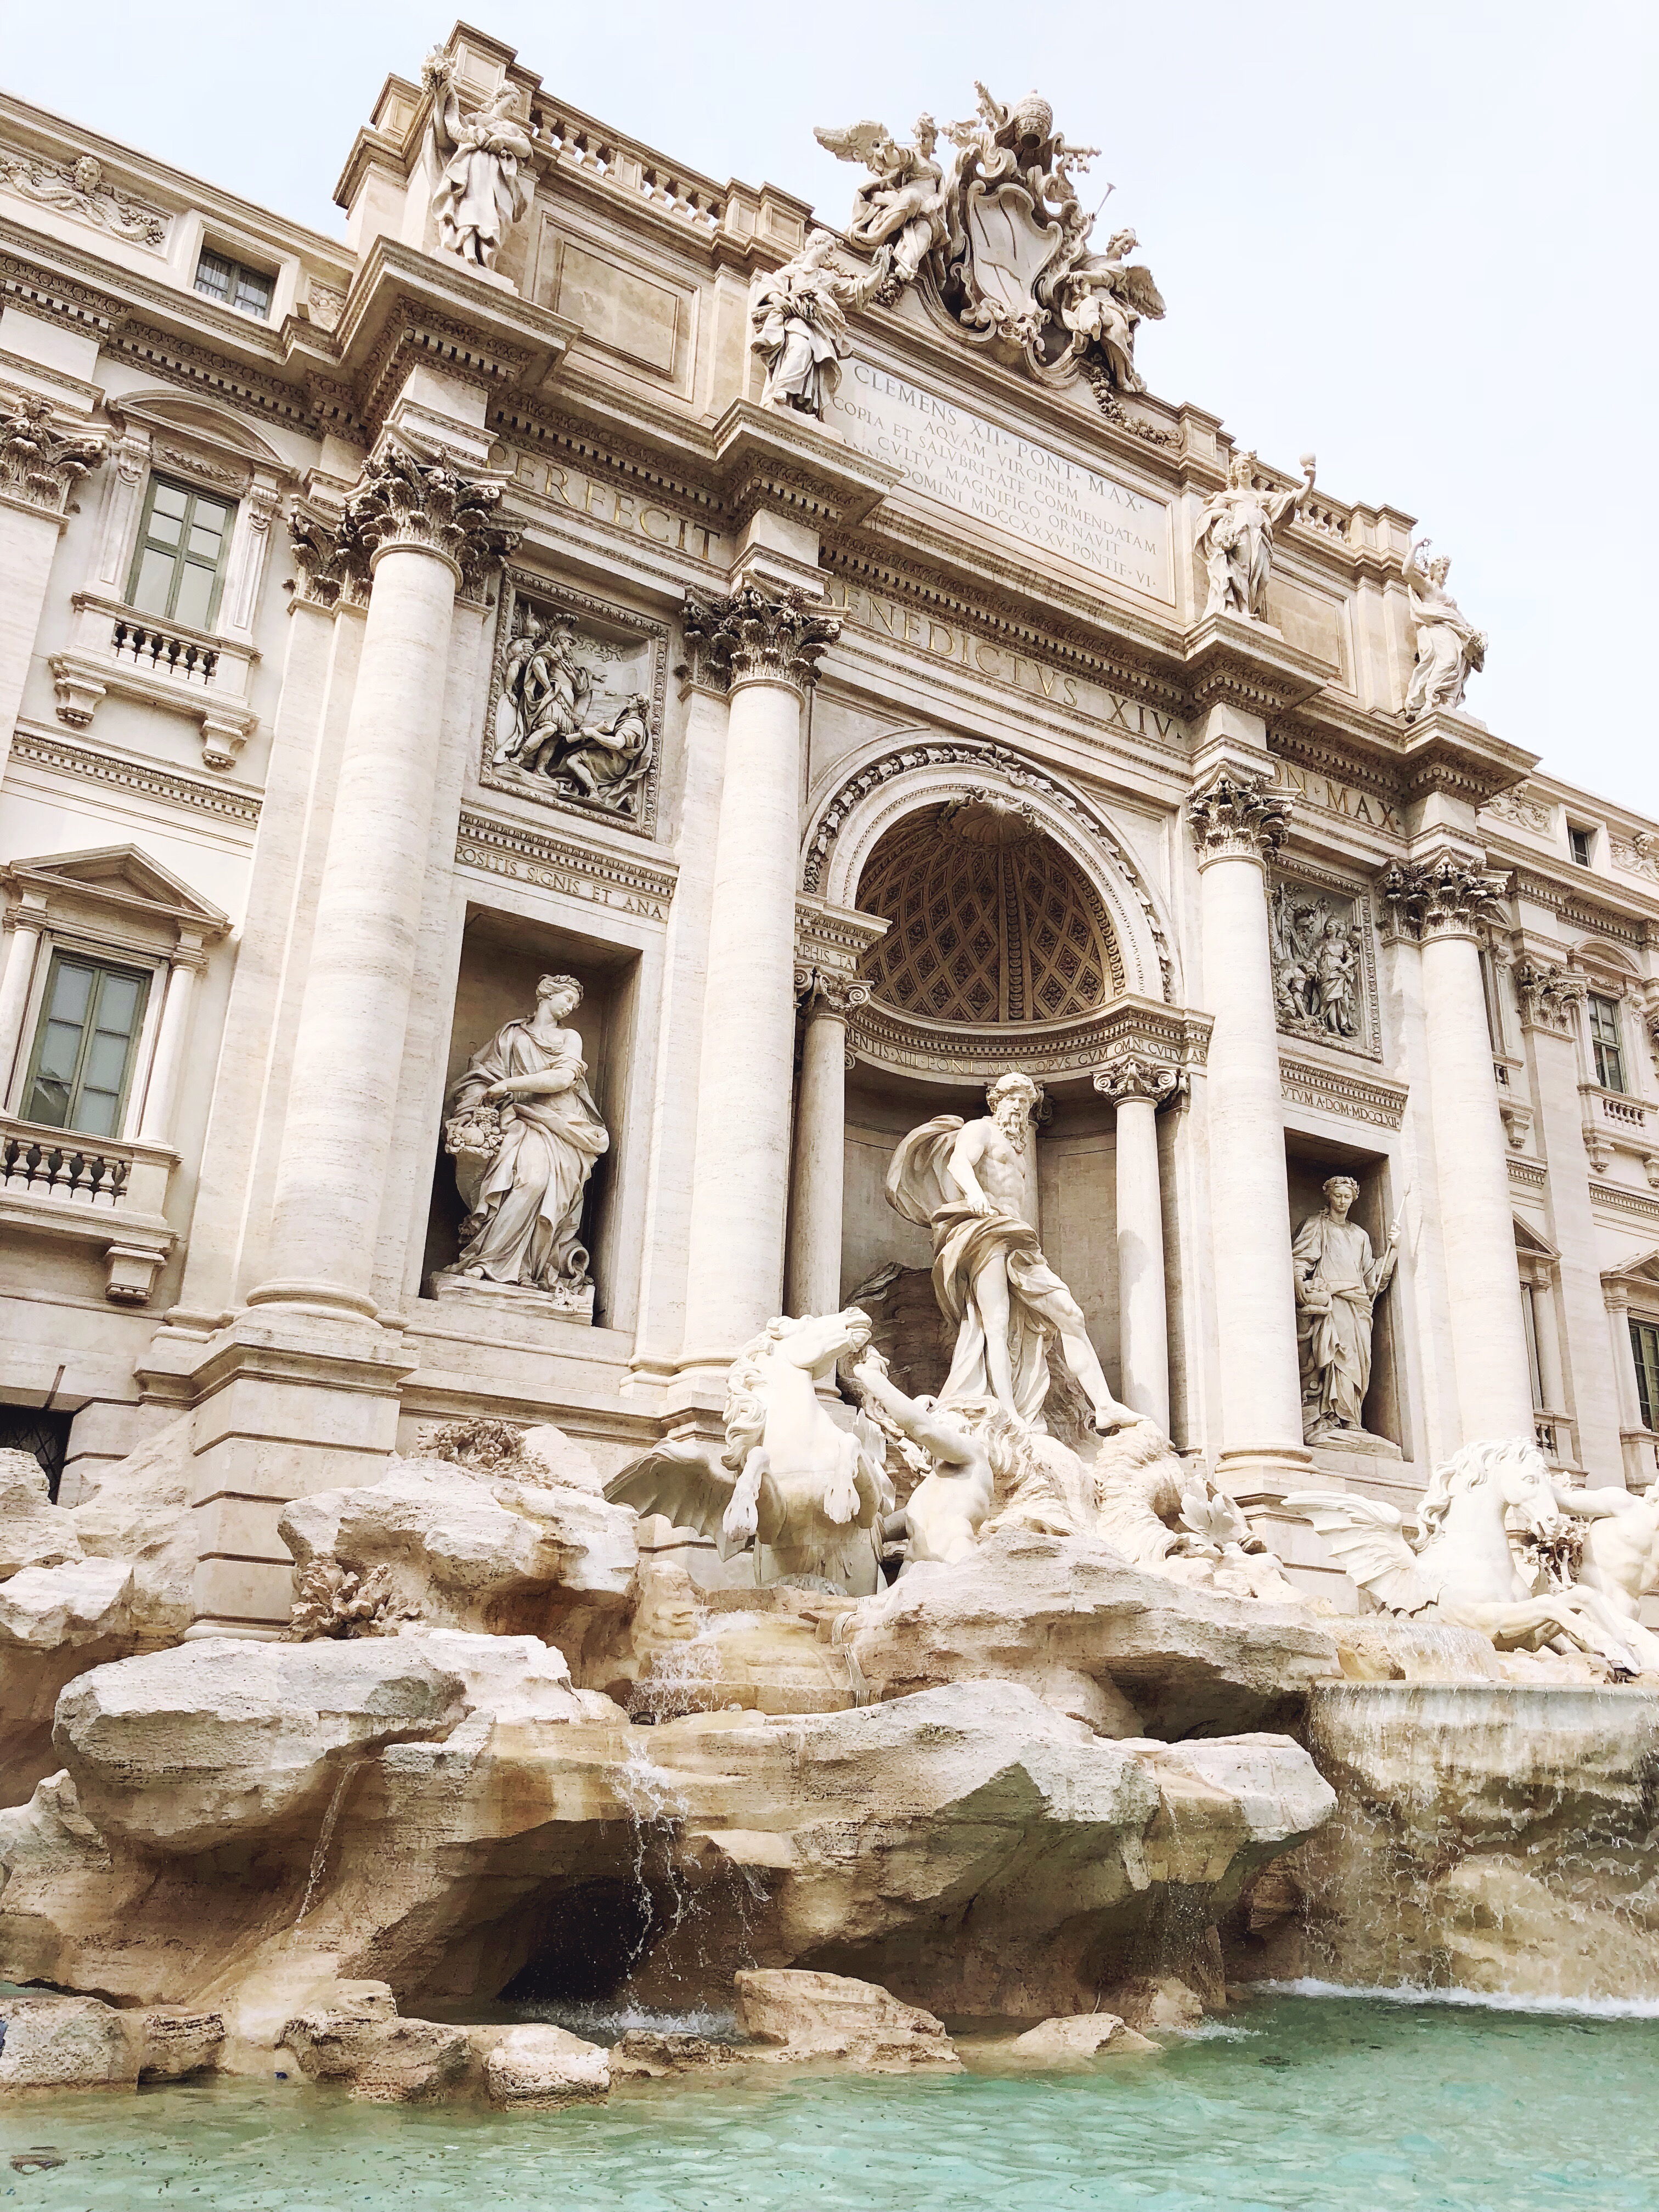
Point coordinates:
[(1463, 1569)]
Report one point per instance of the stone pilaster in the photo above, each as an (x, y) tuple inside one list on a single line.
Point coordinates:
[(817, 1178), (1238, 822), (41, 463), (1442, 899), (1137, 1087)]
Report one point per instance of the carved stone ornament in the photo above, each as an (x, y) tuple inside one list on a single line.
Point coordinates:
[(1444, 896), (77, 188), (1236, 532), (325, 554), (1524, 813), (576, 704), (1238, 817), (1136, 1077), (822, 991), (1322, 985), (797, 324), (401, 499), (757, 636), (39, 462), (1548, 993)]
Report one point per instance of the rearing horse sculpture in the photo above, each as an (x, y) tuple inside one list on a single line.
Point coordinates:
[(1464, 1568)]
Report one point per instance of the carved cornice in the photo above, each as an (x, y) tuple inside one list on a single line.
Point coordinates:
[(1548, 993), (121, 774), (1444, 897), (581, 868), (1130, 1076), (832, 941), (401, 499), (1238, 817), (41, 463), (1333, 1090), (756, 636)]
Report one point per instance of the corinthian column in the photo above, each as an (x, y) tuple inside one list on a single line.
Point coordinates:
[(41, 461), (1236, 821), (813, 1284), (418, 529), (1137, 1087), (767, 643), (1441, 902)]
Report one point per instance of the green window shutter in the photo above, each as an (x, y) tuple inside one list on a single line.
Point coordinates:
[(82, 1065)]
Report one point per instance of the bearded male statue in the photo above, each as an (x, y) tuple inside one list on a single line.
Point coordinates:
[(973, 1184)]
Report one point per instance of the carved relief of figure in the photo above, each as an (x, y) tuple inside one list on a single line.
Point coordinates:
[(1338, 1283), (1101, 300), (1449, 646), (608, 761), (485, 187), (798, 323), (525, 1132), (974, 1185), (1335, 968), (1236, 538), (902, 201)]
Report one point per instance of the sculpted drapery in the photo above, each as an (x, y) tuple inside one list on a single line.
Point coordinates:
[(1338, 1282)]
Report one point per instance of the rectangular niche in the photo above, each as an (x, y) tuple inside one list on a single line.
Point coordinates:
[(503, 957), (576, 699), (1324, 961), (1309, 1161)]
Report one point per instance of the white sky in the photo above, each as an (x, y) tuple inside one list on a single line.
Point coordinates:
[(1419, 239)]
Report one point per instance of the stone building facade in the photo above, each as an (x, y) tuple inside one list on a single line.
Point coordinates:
[(906, 727)]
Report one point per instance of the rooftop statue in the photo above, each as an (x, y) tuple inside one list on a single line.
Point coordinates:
[(1449, 646), (1101, 299), (1236, 538), (904, 201), (1462, 1567), (484, 185), (798, 323), (974, 1183)]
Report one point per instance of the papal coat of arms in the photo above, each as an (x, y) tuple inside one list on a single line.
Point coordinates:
[(998, 243)]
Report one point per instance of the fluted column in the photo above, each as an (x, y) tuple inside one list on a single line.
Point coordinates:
[(155, 1126), (1441, 900), (767, 642), (812, 1285), (1137, 1087), (418, 529), (1237, 820)]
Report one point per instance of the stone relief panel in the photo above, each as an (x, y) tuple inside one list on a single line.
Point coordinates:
[(576, 704), (1324, 964)]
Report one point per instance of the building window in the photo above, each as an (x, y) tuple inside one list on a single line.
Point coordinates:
[(82, 1065), (1494, 1008), (1529, 1322), (24, 1428), (1583, 844), (1604, 1041), (234, 284), (1645, 1349), (179, 566)]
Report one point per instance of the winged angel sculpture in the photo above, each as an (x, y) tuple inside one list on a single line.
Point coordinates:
[(810, 1494), (902, 202), (1463, 1569)]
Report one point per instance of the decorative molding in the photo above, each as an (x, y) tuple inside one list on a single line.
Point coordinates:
[(41, 463), (142, 777), (1520, 813), (1371, 1098), (78, 189), (1130, 1076), (1517, 1122), (756, 636), (969, 1053), (1531, 1174), (1547, 995), (1238, 817), (403, 498), (1566, 900), (1444, 896), (626, 883), (1615, 1199)]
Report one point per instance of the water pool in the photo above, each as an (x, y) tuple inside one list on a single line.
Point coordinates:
[(1327, 2103)]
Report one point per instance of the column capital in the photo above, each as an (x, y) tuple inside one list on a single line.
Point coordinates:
[(404, 498), (1548, 993), (41, 462), (324, 553), (757, 635), (1131, 1076), (1444, 895), (1238, 817), (822, 991)]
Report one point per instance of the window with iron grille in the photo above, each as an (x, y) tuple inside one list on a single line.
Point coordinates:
[(179, 569), (1605, 1042), (234, 284), (81, 1064), (32, 1429)]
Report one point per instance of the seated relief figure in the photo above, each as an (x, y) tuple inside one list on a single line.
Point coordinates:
[(973, 1184), (525, 1132), (1338, 1283)]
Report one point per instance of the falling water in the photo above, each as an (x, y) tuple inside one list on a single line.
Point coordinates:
[(324, 1837), (688, 1677)]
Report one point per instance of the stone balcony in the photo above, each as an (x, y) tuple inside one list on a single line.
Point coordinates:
[(103, 1191), (188, 671)]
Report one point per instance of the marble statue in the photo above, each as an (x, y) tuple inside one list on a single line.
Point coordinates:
[(973, 1184), (798, 323), (943, 1514), (810, 1494), (1620, 1557), (1449, 646), (1338, 1283), (1102, 299), (903, 199), (1015, 219), (1463, 1568), (525, 1132), (1236, 538), (485, 184)]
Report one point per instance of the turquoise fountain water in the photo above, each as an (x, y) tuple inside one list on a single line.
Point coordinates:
[(1333, 2104)]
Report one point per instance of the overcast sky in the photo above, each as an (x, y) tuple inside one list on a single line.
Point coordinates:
[(1419, 239)]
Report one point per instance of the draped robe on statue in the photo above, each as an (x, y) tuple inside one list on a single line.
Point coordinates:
[(1335, 1297), (921, 1186), (525, 1205)]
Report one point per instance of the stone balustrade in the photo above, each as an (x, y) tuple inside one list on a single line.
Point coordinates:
[(107, 1189), (112, 650)]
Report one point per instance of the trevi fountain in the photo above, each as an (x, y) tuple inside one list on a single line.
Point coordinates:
[(799, 1463)]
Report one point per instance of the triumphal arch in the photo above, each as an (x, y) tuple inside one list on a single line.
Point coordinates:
[(547, 738)]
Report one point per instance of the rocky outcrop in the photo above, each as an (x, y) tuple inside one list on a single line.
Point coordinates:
[(177, 2042), (534, 2068), (808, 2016), (33, 1532), (67, 2042), (55, 1623), (1077, 2041)]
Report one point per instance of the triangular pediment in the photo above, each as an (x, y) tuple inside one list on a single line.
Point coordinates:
[(1532, 1242), (123, 877), (1643, 1270), (200, 420)]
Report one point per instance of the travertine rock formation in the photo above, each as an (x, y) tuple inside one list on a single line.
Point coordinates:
[(1084, 2036), (815, 2016)]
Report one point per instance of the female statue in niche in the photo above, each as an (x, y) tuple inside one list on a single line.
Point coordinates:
[(525, 1134), (1338, 1283)]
